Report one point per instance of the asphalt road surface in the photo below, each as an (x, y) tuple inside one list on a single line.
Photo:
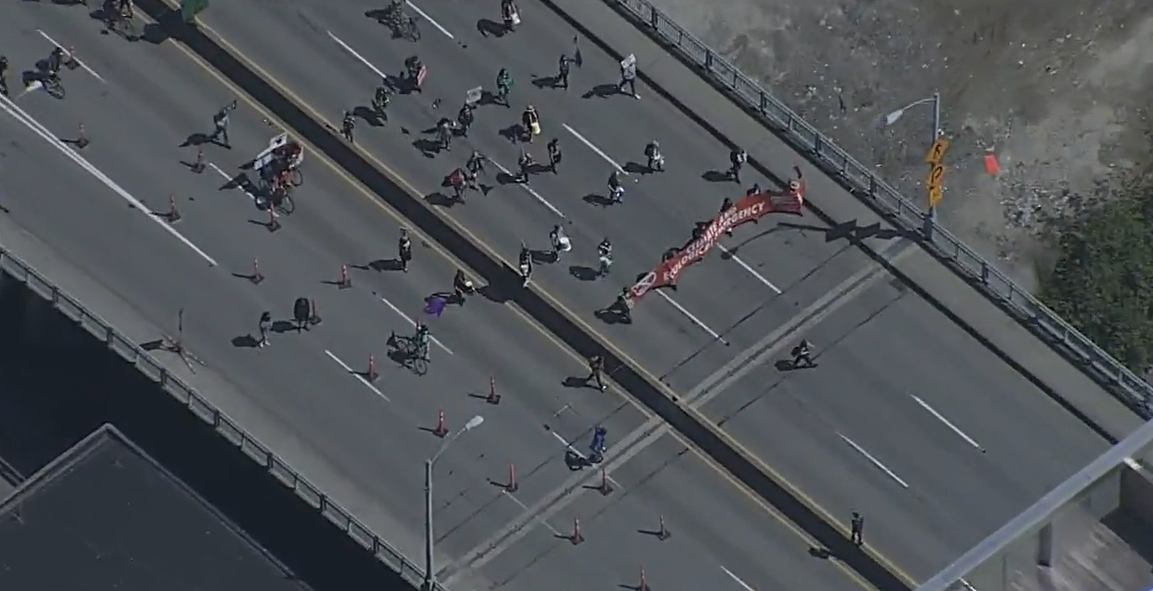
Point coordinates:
[(871, 430), (364, 442)]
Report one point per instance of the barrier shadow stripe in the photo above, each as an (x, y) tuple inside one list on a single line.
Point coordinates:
[(507, 281)]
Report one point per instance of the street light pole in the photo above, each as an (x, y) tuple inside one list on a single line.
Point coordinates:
[(891, 118), (936, 134), (429, 561), (429, 540)]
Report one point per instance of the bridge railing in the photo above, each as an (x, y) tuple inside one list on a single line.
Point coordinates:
[(226, 427), (858, 178)]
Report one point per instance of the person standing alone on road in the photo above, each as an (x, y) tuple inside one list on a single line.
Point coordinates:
[(857, 529), (404, 250), (220, 125), (265, 327), (561, 80)]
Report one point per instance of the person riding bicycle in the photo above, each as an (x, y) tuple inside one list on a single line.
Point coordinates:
[(382, 97), (55, 62), (503, 86), (421, 340), (284, 180)]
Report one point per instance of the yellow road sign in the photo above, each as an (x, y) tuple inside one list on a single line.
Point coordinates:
[(936, 176), (937, 151), (935, 196)]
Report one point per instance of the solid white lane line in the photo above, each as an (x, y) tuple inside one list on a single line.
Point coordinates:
[(78, 60), (595, 149), (525, 508), (875, 461), (413, 323), (746, 267), (429, 19), (356, 55), (530, 190), (17, 113), (689, 315), (950, 425), (569, 447), (242, 189), (356, 374), (738, 580)]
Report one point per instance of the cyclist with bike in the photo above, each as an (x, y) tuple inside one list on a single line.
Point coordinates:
[(421, 340), (55, 62)]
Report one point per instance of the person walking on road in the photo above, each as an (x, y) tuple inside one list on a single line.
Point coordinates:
[(404, 250), (596, 371), (220, 125), (265, 327), (553, 154), (629, 77), (737, 159), (803, 355), (563, 69), (347, 125), (857, 529)]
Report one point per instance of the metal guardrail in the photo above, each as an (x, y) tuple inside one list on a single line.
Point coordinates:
[(200, 407), (1130, 389)]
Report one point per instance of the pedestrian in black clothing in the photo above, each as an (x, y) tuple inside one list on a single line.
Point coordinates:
[(220, 123), (561, 80), (404, 250), (596, 371), (265, 327), (857, 529)]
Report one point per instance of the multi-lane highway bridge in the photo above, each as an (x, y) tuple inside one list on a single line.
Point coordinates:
[(933, 410)]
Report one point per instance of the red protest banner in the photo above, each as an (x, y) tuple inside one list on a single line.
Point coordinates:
[(747, 209)]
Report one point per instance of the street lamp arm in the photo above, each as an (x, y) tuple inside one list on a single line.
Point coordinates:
[(927, 99)]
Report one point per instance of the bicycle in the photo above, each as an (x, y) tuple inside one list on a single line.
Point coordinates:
[(296, 177), (284, 205), (410, 353), (53, 86)]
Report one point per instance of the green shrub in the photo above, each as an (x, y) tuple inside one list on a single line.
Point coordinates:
[(1102, 282)]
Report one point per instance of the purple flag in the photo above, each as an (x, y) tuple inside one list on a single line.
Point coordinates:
[(435, 305)]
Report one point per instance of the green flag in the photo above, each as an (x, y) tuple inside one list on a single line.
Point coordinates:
[(190, 8)]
